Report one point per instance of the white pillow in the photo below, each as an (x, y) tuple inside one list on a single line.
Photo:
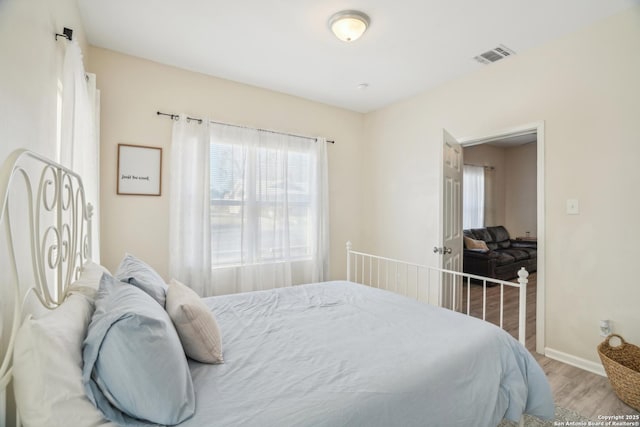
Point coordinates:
[(47, 368), (89, 279), (92, 272), (195, 323)]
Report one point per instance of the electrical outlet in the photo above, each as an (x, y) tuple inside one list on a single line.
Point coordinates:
[(605, 328)]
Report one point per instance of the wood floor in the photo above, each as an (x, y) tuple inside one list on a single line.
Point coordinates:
[(586, 393)]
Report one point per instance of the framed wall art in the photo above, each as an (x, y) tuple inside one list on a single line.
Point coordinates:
[(139, 170)]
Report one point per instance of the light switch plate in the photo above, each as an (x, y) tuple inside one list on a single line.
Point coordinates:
[(573, 207)]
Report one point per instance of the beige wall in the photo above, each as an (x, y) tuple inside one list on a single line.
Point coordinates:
[(30, 67), (521, 190), (590, 106), (133, 90)]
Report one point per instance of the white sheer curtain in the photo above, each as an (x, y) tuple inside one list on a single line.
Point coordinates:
[(79, 131), (489, 197), (473, 197), (189, 210), (320, 211), (267, 199)]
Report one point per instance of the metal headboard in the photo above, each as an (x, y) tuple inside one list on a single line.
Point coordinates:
[(45, 237)]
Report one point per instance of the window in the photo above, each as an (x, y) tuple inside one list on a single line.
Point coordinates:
[(249, 209), (472, 197), (262, 196)]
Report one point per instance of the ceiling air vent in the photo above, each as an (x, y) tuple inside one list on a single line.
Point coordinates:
[(494, 55)]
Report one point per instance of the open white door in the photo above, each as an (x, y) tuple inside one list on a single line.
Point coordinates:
[(451, 220)]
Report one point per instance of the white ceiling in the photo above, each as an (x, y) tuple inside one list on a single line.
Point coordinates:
[(286, 45)]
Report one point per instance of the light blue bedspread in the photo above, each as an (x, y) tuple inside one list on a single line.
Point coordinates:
[(342, 354)]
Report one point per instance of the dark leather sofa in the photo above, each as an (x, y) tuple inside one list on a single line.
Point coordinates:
[(504, 257)]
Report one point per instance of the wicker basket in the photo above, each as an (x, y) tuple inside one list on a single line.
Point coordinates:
[(622, 364)]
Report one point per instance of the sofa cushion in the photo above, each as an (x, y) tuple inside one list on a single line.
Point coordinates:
[(482, 234), (517, 254), (504, 259), (533, 252), (524, 244), (499, 234), (505, 244)]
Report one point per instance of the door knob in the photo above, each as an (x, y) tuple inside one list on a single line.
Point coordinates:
[(443, 250)]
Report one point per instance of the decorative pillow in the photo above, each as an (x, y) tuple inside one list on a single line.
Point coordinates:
[(135, 370), (474, 244), (47, 368), (140, 274), (195, 323)]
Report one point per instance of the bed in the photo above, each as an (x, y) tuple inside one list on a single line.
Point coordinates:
[(325, 354)]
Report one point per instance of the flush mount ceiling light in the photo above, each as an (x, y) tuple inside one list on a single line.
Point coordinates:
[(349, 25)]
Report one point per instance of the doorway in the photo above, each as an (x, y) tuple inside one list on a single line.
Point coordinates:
[(508, 138)]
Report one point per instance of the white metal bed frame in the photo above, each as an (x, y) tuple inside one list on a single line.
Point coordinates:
[(44, 203), (427, 283), (45, 225)]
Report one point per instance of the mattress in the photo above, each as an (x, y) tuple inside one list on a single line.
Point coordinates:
[(343, 354)]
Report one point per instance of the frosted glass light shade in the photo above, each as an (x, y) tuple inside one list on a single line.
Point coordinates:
[(349, 25)]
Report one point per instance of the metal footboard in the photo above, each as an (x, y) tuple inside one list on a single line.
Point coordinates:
[(436, 286)]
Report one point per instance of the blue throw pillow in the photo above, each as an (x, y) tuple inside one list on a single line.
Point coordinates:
[(140, 274), (135, 370)]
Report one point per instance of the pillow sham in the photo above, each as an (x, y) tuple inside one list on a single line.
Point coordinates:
[(195, 324), (47, 368), (140, 274), (135, 370)]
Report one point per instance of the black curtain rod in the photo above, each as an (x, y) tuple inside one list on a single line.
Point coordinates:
[(176, 117), (67, 33), (481, 166)]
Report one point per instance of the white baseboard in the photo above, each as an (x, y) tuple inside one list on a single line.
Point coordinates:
[(572, 360)]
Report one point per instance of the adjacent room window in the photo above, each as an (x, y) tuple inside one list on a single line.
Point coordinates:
[(473, 197)]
